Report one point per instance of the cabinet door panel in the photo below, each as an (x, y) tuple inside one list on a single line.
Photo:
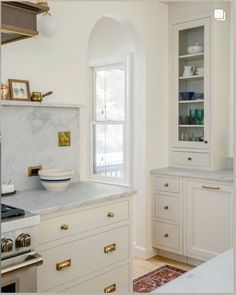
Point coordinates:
[(208, 219)]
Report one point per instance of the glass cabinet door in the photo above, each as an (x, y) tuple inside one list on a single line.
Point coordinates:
[(191, 91)]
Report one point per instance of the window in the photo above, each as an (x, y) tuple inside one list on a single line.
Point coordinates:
[(109, 124)]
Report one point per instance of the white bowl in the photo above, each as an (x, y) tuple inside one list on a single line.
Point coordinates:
[(195, 49), (56, 186), (54, 174)]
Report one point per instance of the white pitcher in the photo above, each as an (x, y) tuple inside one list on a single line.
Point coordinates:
[(188, 71)]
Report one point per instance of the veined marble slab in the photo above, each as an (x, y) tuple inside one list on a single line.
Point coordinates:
[(76, 195), (218, 175), (30, 138), (214, 276)]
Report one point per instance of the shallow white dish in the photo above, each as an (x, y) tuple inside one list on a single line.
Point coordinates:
[(195, 49), (56, 185), (54, 174)]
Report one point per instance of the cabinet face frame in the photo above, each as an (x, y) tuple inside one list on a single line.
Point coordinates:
[(176, 28), (189, 249)]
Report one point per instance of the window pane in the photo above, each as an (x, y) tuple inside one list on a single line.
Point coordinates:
[(115, 95), (108, 150), (110, 95)]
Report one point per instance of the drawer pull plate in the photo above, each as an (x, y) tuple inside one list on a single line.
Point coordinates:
[(166, 184), (64, 227), (111, 214), (110, 289), (166, 235), (211, 188), (64, 264), (110, 248), (166, 207)]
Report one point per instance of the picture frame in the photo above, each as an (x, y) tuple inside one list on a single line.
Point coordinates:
[(19, 89)]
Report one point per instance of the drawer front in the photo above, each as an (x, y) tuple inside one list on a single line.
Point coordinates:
[(69, 224), (117, 280), (167, 184), (71, 261), (191, 159), (167, 208), (167, 235)]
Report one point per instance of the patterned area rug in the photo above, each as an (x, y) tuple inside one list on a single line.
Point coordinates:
[(156, 278)]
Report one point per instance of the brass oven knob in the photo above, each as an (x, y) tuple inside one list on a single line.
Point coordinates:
[(23, 240), (6, 245)]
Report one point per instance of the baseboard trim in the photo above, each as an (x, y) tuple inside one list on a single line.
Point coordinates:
[(144, 253), (179, 258)]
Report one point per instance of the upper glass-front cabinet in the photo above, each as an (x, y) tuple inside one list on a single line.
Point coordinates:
[(191, 84)]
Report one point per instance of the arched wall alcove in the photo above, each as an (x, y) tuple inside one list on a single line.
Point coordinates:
[(114, 36)]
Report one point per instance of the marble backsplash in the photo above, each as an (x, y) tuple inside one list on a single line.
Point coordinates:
[(30, 138)]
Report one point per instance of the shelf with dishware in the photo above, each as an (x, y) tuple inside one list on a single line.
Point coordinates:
[(191, 126), (191, 77), (192, 56), (191, 101)]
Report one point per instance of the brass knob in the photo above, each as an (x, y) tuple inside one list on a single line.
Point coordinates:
[(166, 184), (189, 158), (166, 207), (166, 235), (64, 227), (23, 240), (6, 245), (205, 141), (111, 214)]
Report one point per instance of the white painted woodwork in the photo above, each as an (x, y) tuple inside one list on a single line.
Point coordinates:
[(120, 277), (167, 184), (167, 236), (208, 219), (167, 208), (82, 221), (198, 160), (198, 220), (89, 231)]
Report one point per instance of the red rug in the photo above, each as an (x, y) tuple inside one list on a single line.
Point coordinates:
[(156, 278)]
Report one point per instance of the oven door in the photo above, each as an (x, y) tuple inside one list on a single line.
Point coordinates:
[(21, 275)]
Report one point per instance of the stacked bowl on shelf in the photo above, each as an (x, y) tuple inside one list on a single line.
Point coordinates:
[(55, 179)]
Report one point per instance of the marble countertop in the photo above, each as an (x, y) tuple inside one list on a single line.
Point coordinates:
[(218, 175), (214, 276), (76, 195)]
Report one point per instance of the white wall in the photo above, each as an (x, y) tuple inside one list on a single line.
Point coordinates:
[(60, 64)]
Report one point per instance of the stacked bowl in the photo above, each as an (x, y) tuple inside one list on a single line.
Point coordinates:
[(55, 179)]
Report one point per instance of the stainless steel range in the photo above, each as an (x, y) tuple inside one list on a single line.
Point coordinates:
[(19, 259)]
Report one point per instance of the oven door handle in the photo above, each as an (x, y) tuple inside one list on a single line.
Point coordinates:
[(32, 260)]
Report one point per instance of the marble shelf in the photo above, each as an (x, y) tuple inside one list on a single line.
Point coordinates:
[(8, 103)]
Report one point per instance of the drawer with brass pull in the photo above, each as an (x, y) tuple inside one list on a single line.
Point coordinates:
[(167, 184), (114, 281), (167, 208), (191, 159), (70, 261), (167, 236), (66, 225)]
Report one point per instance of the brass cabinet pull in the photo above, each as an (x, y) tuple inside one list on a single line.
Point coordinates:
[(110, 289), (211, 188), (166, 235), (110, 248), (64, 264), (111, 214), (166, 207), (166, 184), (64, 227)]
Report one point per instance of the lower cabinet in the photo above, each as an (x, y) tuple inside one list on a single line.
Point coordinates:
[(117, 280), (81, 258), (208, 219), (197, 221)]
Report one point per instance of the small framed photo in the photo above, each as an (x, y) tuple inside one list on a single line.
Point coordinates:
[(19, 89)]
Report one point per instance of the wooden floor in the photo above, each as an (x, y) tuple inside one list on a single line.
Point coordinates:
[(141, 267)]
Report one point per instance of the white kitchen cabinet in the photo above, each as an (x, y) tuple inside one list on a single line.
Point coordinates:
[(208, 218), (194, 222), (199, 122), (87, 249)]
